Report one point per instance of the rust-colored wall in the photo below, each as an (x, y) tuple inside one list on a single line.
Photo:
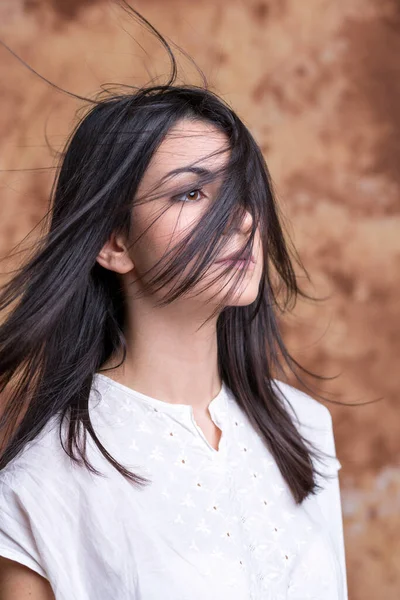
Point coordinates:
[(318, 82)]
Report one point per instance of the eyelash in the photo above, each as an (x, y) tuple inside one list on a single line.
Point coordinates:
[(178, 198)]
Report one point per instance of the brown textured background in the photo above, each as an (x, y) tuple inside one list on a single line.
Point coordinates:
[(318, 82)]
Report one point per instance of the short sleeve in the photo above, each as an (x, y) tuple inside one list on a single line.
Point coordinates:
[(329, 499), (17, 539)]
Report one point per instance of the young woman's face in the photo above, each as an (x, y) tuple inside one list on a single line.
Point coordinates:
[(159, 224)]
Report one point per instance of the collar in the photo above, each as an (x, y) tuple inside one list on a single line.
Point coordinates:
[(218, 406)]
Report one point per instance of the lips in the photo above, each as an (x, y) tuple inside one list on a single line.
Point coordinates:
[(235, 258)]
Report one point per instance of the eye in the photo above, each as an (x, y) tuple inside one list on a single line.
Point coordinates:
[(191, 196)]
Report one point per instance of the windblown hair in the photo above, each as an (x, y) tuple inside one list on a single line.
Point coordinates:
[(66, 313)]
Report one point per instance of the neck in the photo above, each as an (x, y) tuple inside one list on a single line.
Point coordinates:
[(169, 356)]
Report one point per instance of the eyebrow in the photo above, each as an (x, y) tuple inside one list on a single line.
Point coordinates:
[(197, 170)]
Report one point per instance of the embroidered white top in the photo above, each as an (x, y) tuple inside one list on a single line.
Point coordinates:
[(212, 524)]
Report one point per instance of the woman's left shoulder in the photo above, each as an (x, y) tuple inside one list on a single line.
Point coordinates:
[(307, 411), (314, 422)]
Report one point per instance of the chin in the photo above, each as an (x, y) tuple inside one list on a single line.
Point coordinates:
[(244, 298)]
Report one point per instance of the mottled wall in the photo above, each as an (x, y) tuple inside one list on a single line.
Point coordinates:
[(318, 82)]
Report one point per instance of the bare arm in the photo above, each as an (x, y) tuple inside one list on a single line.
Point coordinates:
[(17, 581)]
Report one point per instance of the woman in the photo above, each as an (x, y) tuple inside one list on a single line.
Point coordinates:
[(149, 452)]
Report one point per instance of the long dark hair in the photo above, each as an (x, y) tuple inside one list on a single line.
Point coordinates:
[(66, 313)]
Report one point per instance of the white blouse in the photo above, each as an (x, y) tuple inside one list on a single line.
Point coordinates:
[(212, 525)]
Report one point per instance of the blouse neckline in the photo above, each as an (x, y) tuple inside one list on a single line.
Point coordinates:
[(217, 405)]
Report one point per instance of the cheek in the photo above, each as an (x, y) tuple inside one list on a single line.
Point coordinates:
[(157, 233)]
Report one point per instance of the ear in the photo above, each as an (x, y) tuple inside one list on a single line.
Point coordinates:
[(115, 256)]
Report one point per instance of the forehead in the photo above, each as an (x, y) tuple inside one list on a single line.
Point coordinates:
[(188, 143)]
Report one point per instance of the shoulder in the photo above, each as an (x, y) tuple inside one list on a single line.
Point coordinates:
[(37, 468), (305, 410), (44, 461), (314, 423), (41, 492), (43, 467), (30, 492)]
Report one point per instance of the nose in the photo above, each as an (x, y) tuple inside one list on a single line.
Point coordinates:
[(247, 222), (243, 227)]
